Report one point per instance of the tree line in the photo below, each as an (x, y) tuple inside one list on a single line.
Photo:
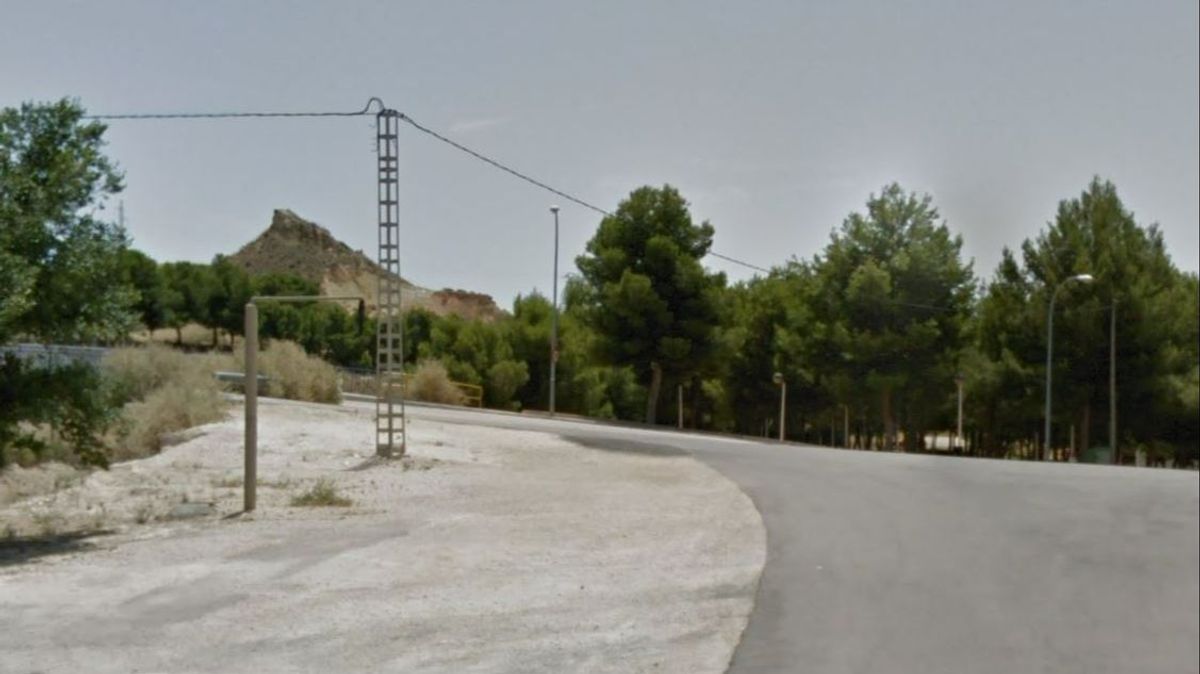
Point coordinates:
[(872, 336)]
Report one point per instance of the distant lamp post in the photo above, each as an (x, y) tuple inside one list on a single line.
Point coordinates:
[(959, 380), (778, 379), (554, 318), (1081, 278)]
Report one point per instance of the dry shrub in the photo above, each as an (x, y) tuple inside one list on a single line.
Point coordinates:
[(138, 371), (295, 375), (167, 391), (166, 410), (432, 384), (323, 493), (17, 483)]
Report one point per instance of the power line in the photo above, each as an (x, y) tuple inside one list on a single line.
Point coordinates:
[(537, 183), (502, 167), (379, 107), (367, 109), (736, 261)]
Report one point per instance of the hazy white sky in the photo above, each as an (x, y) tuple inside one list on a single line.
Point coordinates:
[(775, 119)]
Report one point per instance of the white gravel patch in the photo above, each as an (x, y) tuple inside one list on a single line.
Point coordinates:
[(484, 551)]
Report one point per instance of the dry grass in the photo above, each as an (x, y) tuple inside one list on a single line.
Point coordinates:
[(17, 482), (193, 334), (322, 494), (166, 410), (295, 375), (138, 371), (432, 384), (168, 391)]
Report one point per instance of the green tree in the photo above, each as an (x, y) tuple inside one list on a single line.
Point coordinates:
[(649, 301), (1155, 329), (504, 379), (60, 269), (529, 333), (891, 299), (230, 291), (140, 272), (187, 296), (769, 330), (60, 265)]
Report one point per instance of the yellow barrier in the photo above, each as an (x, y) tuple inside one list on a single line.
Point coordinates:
[(472, 393)]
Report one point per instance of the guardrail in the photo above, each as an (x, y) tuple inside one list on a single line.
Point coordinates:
[(50, 355), (364, 382)]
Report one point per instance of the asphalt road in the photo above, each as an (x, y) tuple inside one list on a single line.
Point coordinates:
[(906, 563)]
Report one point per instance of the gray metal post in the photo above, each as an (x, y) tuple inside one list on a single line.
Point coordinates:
[(958, 435), (778, 379), (846, 426), (782, 410), (1049, 367), (679, 413), (250, 473), (554, 318), (390, 420), (1112, 383), (1083, 278)]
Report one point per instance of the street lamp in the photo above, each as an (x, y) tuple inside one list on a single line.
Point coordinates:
[(1082, 278), (554, 317), (778, 379)]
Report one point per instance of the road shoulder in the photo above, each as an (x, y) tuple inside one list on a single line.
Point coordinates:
[(488, 549)]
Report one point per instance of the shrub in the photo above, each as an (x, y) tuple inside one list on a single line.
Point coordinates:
[(73, 401), (323, 493), (173, 407), (294, 374), (166, 390), (504, 380), (137, 371), (431, 384)]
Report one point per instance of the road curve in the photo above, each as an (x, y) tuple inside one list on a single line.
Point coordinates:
[(908, 563)]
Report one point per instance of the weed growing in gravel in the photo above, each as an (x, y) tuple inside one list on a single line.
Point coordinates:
[(323, 493), (236, 483)]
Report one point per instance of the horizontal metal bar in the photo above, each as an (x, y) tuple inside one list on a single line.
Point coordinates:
[(307, 298)]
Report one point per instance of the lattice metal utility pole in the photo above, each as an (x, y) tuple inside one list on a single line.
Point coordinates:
[(389, 343)]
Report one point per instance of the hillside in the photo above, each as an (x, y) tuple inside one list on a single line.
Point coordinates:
[(296, 246)]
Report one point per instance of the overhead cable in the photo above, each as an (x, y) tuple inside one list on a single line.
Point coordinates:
[(374, 106)]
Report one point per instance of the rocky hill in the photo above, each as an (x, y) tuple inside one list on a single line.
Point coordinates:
[(296, 246)]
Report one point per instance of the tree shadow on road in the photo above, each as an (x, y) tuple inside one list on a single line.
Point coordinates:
[(16, 550), (626, 446)]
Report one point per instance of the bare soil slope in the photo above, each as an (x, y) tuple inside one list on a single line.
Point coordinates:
[(293, 245)]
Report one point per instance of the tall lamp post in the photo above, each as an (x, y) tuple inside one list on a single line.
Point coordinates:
[(554, 317), (778, 379), (1082, 278)]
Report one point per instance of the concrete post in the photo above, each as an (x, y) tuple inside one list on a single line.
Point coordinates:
[(250, 473), (679, 413), (958, 433), (782, 409), (1112, 384), (554, 319), (845, 426)]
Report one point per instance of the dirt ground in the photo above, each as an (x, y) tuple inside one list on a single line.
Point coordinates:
[(485, 551)]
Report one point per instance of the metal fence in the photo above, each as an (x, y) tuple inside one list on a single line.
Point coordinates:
[(54, 355)]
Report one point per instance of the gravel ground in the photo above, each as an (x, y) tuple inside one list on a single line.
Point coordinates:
[(484, 551)]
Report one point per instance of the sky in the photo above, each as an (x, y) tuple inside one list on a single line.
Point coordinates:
[(774, 119)]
